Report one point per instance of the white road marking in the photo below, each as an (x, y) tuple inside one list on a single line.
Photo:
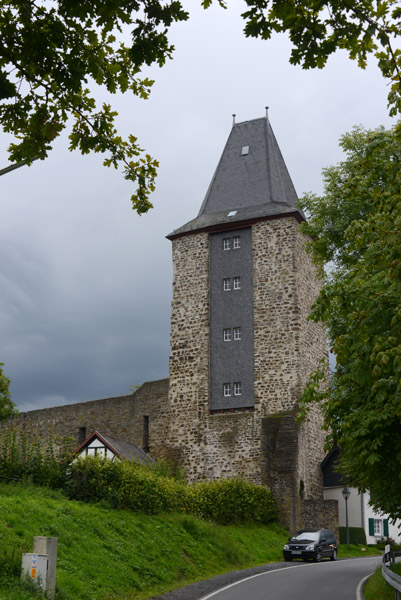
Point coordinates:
[(227, 587)]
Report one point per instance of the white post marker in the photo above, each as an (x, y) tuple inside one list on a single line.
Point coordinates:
[(387, 555)]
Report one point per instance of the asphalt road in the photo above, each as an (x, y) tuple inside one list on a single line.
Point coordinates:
[(326, 580)]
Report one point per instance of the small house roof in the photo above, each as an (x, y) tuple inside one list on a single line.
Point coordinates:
[(124, 450)]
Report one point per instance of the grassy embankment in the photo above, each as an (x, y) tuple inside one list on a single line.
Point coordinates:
[(107, 554), (376, 586)]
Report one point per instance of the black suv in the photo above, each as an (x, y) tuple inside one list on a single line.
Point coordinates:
[(311, 543)]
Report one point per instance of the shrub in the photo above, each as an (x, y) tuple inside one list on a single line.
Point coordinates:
[(231, 501), (356, 535), (24, 457), (124, 484)]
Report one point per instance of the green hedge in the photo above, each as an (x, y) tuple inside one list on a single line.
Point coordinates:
[(356, 535), (123, 484), (232, 501)]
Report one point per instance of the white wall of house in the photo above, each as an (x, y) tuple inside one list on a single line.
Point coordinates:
[(355, 518), (378, 525), (96, 448), (359, 514)]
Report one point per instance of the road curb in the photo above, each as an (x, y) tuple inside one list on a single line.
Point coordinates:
[(359, 590)]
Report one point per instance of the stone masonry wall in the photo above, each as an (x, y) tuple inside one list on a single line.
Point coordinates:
[(121, 417), (230, 443), (287, 348), (313, 348), (189, 354), (209, 445)]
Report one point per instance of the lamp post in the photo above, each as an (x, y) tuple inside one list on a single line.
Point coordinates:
[(346, 492)]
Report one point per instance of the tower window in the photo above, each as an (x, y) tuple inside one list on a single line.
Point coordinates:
[(227, 335), (227, 389), (236, 242), (237, 283), (237, 388), (226, 243), (237, 333), (227, 285)]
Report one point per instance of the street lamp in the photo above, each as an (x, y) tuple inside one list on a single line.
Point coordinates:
[(346, 492)]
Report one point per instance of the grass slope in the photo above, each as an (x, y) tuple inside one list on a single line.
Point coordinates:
[(108, 554), (376, 586)]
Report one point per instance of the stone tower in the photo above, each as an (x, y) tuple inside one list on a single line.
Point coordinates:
[(241, 345)]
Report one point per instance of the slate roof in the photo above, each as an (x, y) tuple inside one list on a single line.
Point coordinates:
[(124, 450), (256, 184), (331, 476)]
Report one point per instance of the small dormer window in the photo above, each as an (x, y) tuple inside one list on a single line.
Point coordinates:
[(244, 150)]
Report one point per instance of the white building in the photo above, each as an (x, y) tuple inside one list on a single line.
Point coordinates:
[(360, 512)]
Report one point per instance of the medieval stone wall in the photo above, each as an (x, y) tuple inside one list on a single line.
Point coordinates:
[(189, 354), (121, 417), (230, 443), (313, 348)]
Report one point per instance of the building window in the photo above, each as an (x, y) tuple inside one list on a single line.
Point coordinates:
[(236, 242), (81, 435), (227, 389), (237, 333), (146, 434), (226, 243), (227, 335), (237, 283), (377, 525), (237, 388), (227, 285)]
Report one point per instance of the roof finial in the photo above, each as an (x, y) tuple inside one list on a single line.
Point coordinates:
[(267, 113), (234, 115)]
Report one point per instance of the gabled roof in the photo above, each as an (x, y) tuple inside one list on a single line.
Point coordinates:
[(123, 450), (331, 476), (251, 179)]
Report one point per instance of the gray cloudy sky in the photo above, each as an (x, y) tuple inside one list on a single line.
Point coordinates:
[(85, 284)]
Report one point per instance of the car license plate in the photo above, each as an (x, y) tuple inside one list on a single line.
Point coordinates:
[(296, 552)]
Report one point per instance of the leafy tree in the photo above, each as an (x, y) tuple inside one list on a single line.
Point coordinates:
[(317, 28), (49, 51), (7, 407), (356, 228)]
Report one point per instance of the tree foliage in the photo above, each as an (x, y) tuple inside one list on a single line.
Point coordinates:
[(50, 52), (7, 407), (317, 28), (356, 228)]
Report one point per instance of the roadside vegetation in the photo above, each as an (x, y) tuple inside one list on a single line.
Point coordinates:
[(118, 554), (376, 586), (109, 554)]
